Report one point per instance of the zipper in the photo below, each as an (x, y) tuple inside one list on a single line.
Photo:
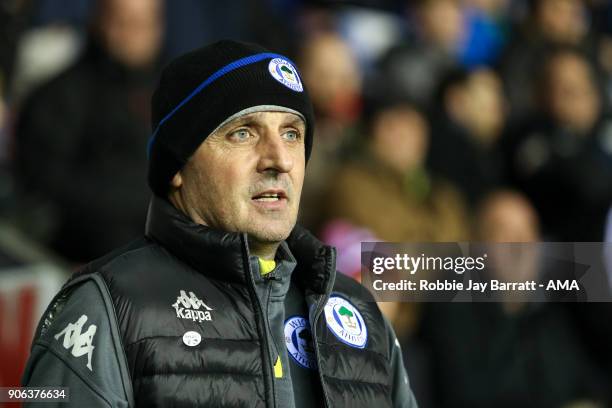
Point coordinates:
[(267, 323), (317, 315), (264, 339)]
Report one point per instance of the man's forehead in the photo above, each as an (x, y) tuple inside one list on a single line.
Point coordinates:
[(261, 114)]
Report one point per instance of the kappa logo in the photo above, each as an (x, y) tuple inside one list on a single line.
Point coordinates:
[(298, 340), (188, 307), (345, 321), (81, 343)]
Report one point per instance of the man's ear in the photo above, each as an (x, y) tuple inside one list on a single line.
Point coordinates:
[(177, 180)]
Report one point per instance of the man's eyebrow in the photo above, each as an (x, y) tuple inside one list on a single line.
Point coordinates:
[(241, 121), (251, 120), (295, 122)]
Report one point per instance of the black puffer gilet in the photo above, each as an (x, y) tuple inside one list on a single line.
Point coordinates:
[(229, 367)]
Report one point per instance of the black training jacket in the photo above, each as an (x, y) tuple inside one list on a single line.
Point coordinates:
[(172, 320)]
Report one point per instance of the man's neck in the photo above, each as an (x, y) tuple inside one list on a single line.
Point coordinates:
[(263, 250)]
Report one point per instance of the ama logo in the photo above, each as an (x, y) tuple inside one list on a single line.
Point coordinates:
[(188, 307), (298, 339), (346, 322)]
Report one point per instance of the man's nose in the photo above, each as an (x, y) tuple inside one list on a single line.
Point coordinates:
[(274, 154)]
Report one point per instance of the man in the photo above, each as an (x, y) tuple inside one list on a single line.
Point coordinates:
[(561, 156), (79, 137), (225, 301)]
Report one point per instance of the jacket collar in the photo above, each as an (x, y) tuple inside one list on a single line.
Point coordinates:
[(225, 255)]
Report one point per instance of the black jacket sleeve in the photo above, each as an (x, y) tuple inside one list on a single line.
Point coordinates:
[(402, 394), (77, 346)]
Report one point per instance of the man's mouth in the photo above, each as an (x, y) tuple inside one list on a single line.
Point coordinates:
[(270, 196)]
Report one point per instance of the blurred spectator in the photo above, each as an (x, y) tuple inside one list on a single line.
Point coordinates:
[(188, 23), (562, 157), (466, 125), (42, 54), (331, 73), (81, 137), (550, 22), (507, 216), (510, 354), (417, 66), (385, 186), (334, 82), (370, 32), (561, 21), (13, 20), (485, 36)]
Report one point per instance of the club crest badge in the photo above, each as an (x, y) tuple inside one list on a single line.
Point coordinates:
[(285, 73), (346, 322), (298, 339)]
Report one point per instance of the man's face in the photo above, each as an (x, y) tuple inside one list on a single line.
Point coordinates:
[(247, 176), (572, 95), (131, 30)]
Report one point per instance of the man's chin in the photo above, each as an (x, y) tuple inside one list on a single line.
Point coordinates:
[(269, 237), (270, 234)]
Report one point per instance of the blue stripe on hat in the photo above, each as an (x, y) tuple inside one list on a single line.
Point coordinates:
[(218, 74)]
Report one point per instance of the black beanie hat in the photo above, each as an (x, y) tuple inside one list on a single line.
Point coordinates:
[(201, 89)]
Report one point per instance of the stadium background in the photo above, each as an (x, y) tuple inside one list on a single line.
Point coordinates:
[(437, 121)]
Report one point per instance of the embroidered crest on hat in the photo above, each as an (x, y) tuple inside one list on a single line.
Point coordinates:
[(285, 73), (298, 339), (346, 322)]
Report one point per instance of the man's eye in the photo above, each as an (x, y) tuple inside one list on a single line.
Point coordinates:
[(240, 135), (292, 135)]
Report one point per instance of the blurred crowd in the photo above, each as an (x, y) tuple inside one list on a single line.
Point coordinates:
[(436, 121)]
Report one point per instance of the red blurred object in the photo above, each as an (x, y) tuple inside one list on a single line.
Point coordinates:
[(24, 295), (17, 321)]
